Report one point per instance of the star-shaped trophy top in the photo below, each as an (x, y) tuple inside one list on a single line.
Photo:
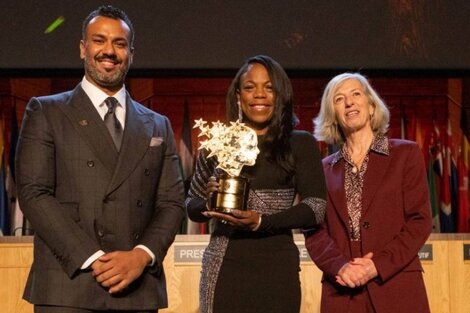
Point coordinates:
[(234, 146)]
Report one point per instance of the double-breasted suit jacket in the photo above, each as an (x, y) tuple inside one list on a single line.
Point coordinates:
[(81, 196), (395, 223)]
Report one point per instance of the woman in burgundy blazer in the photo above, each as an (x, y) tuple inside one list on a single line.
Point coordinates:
[(378, 212)]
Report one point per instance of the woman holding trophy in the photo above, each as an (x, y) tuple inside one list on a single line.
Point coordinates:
[(252, 263)]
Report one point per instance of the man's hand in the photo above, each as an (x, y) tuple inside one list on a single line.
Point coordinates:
[(118, 269)]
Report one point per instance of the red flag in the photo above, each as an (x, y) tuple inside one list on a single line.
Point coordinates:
[(421, 141), (448, 176)]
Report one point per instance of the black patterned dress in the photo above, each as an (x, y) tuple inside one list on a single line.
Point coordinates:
[(246, 271)]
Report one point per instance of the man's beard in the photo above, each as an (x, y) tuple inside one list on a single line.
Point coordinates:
[(105, 80)]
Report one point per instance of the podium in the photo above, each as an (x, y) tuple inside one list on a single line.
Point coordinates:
[(445, 258)]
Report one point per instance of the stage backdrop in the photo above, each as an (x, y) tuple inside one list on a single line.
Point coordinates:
[(220, 34)]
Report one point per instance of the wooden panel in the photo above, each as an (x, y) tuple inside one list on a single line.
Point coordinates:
[(15, 261), (410, 86), (459, 274), (436, 277), (141, 89), (183, 278), (446, 276), (423, 99), (5, 87), (61, 84), (25, 88), (192, 86)]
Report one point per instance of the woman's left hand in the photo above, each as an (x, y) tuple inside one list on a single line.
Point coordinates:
[(357, 272), (243, 219)]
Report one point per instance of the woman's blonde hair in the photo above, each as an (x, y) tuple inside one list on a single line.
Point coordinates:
[(326, 125)]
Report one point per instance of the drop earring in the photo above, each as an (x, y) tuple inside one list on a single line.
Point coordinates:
[(240, 112)]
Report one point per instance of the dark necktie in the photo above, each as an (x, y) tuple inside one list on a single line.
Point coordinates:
[(112, 123)]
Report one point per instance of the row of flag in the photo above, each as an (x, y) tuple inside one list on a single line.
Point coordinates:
[(447, 173)]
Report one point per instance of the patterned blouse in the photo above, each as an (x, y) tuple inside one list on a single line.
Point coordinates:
[(354, 181)]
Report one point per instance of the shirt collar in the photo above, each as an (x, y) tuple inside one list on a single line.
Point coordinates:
[(97, 96), (379, 145)]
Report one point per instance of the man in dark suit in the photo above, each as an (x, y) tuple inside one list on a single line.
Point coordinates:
[(98, 178)]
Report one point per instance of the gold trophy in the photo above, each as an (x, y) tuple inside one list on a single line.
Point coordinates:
[(234, 146)]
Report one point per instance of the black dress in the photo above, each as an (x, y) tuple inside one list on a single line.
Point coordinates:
[(246, 271)]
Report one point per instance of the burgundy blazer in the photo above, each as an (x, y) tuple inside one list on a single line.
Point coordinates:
[(395, 223)]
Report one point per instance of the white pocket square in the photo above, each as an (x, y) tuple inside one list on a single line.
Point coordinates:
[(155, 141)]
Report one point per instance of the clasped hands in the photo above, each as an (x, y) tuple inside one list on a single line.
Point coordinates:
[(357, 272), (117, 270)]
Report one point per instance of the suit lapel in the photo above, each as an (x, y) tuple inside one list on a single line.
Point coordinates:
[(335, 185), (136, 139), (88, 123), (374, 177)]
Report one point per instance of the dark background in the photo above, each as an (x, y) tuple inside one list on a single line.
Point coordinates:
[(306, 35)]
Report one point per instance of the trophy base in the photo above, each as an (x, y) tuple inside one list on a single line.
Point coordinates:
[(232, 194)]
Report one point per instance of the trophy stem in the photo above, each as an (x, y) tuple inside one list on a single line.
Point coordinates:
[(232, 194)]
